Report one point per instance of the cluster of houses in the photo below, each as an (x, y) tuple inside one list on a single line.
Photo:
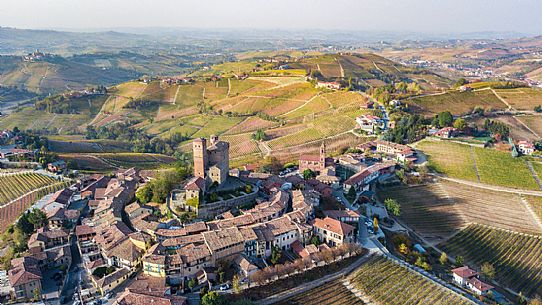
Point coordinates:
[(36, 56), (48, 247)]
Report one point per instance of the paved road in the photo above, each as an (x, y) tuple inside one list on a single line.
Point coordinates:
[(75, 273)]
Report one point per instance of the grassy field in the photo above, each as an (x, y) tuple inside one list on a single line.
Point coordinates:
[(457, 102), (386, 282), (493, 166), (452, 159), (516, 257)]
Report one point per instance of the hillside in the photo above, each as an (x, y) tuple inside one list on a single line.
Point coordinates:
[(56, 74), (295, 117)]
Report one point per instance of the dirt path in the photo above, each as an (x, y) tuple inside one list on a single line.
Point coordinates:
[(229, 88), (490, 187), (527, 127), (530, 211), (176, 93), (502, 100), (301, 106), (377, 67), (533, 172), (264, 148), (474, 163), (341, 67), (328, 102)]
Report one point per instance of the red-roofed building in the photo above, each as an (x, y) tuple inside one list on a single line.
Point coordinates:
[(332, 231), (25, 277), (446, 133), (526, 147), (316, 163), (479, 287), (463, 274)]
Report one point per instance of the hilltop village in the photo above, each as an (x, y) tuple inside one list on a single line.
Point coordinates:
[(243, 222)]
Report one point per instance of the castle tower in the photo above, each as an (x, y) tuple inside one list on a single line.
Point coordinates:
[(214, 139), (199, 147)]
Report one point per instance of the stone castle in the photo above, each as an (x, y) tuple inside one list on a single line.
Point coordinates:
[(211, 163)]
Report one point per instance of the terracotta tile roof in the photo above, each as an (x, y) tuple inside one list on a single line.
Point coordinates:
[(337, 214), (192, 253), (169, 233), (84, 230), (196, 184), (134, 298), (244, 264), (24, 270), (183, 240), (281, 226), (223, 238), (113, 277), (465, 272), (333, 225), (126, 250), (480, 285)]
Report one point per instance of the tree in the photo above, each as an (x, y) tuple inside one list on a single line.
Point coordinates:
[(375, 224), (488, 270), (37, 218), (538, 108), (37, 294), (192, 283), (459, 260), (308, 174), (393, 206), (535, 301), (445, 119), (144, 194), (275, 255), (221, 275), (443, 258), (461, 82), (403, 249), (213, 298), (236, 284), (315, 240), (460, 124)]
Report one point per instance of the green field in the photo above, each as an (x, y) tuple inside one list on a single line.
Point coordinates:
[(494, 167)]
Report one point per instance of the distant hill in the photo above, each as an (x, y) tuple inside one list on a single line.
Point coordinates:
[(57, 74)]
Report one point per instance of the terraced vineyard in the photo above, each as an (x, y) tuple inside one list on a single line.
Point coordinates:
[(14, 186), (517, 258), (10, 212), (332, 293), (385, 282)]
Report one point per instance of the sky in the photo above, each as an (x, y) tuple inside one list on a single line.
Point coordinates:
[(425, 16)]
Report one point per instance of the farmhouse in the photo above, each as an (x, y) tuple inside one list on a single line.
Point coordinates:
[(56, 166), (11, 151), (329, 85), (360, 181), (526, 147), (369, 123), (446, 133)]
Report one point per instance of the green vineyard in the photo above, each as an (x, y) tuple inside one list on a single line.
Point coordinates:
[(14, 186), (385, 282), (517, 258), (332, 293)]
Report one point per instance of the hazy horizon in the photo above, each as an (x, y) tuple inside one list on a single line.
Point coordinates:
[(445, 16)]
